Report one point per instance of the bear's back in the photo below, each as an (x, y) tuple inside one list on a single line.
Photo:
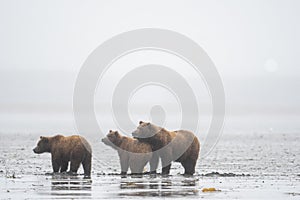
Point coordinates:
[(69, 143), (140, 147), (135, 146)]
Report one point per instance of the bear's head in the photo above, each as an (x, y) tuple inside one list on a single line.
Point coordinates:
[(43, 145), (113, 138), (145, 131)]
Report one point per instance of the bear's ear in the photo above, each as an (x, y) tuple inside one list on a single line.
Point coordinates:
[(148, 123), (141, 122), (116, 133), (44, 138), (110, 131)]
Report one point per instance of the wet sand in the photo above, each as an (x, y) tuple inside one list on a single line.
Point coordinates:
[(242, 166)]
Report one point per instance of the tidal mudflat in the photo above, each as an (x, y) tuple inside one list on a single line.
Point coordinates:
[(242, 166)]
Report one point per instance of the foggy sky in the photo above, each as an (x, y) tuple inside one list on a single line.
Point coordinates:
[(254, 44)]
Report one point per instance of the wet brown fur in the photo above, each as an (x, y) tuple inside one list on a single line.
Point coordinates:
[(133, 154), (171, 151), (63, 149)]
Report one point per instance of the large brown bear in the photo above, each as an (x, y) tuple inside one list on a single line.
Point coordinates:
[(64, 149), (132, 153), (179, 146)]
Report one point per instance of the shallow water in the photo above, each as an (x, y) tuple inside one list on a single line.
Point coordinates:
[(245, 166)]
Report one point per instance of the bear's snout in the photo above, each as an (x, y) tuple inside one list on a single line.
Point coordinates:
[(134, 134), (36, 150), (104, 140)]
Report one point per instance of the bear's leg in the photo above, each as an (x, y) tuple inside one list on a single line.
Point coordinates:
[(189, 167), (154, 163), (75, 163), (55, 164), (136, 170), (124, 161), (166, 170), (137, 164), (166, 162), (123, 173), (87, 164), (64, 166)]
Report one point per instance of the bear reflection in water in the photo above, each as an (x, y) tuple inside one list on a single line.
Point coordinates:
[(158, 187), (64, 185)]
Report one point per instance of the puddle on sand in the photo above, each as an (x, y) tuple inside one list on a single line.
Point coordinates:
[(66, 187), (130, 187), (155, 187), (241, 167), (63, 186)]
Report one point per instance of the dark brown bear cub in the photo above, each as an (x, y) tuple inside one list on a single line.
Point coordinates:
[(133, 154), (64, 149), (179, 146)]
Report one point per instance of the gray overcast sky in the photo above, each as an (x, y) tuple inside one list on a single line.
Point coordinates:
[(242, 37), (255, 39)]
